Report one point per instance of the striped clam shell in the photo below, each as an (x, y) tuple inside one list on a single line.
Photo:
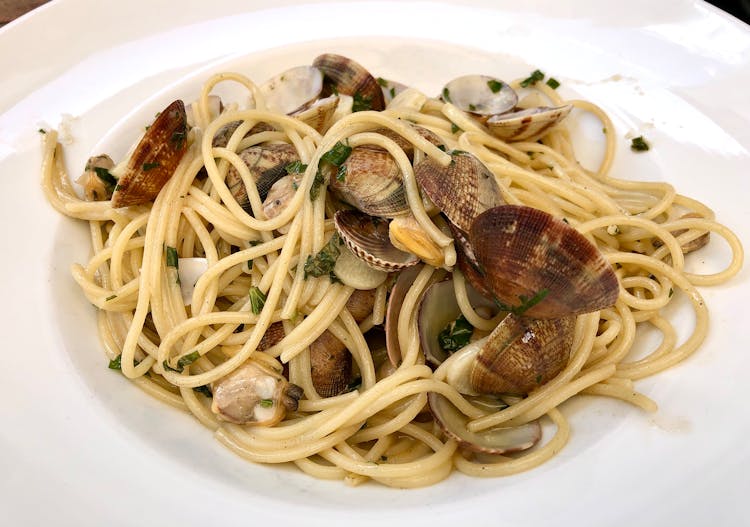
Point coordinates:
[(267, 164), (527, 125), (480, 95), (154, 159), (348, 77), (462, 190), (372, 183), (525, 253), (521, 354), (367, 237), (319, 115)]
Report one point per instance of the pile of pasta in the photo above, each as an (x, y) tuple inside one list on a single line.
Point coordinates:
[(380, 427)]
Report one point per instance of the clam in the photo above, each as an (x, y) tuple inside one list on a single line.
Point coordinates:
[(320, 114), (527, 125), (330, 361), (692, 245), (280, 194), (343, 75), (409, 236), (395, 301), (353, 271), (293, 89), (522, 354), (273, 335), (480, 95), (495, 440), (154, 159), (405, 145), (467, 261), (437, 310), (540, 266), (254, 394), (371, 181), (390, 88), (462, 190), (267, 164), (215, 107), (221, 138), (97, 181), (368, 238)]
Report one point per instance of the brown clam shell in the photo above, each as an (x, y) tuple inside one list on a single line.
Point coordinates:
[(372, 183), (527, 125), (155, 158), (462, 190), (273, 335), (521, 354), (348, 77), (267, 164), (330, 365), (525, 253), (221, 138), (467, 262), (368, 238)]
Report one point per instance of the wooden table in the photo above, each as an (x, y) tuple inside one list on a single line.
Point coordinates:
[(12, 9)]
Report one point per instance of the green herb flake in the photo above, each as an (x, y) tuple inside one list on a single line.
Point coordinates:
[(532, 79), (149, 166), (257, 300), (392, 92), (539, 379), (455, 335), (316, 184), (106, 176), (355, 385), (441, 148), (205, 390), (553, 83), (337, 155), (361, 103), (42, 131), (639, 144), (446, 95), (454, 128), (172, 257), (383, 458), (525, 305), (604, 130), (187, 360), (266, 403), (111, 297), (341, 173), (178, 137), (295, 167), (472, 107), (115, 363), (295, 185), (322, 263), (494, 85), (382, 82), (671, 292)]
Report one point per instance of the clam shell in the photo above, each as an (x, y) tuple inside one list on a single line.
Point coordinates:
[(320, 114), (390, 89), (462, 190), (292, 89), (223, 134), (405, 145), (523, 252), (395, 302), (330, 365), (527, 125), (521, 354), (367, 237), (348, 77), (480, 95), (154, 159), (372, 183), (267, 164), (467, 262)]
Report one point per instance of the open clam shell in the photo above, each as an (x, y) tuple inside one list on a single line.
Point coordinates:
[(527, 125), (154, 159), (522, 354), (395, 302), (292, 89), (350, 78), (319, 115), (495, 440), (480, 95), (267, 164), (525, 253), (462, 190), (372, 183), (368, 238)]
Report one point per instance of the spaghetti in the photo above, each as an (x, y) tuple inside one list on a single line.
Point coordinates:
[(381, 429)]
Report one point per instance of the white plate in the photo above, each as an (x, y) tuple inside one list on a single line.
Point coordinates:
[(79, 445)]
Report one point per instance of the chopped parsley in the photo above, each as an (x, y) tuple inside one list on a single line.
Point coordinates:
[(382, 82), (106, 176), (361, 103), (316, 184), (553, 83), (322, 263), (472, 107), (111, 297), (185, 360), (525, 305), (205, 390), (455, 335), (178, 137), (257, 300), (337, 155), (446, 95), (172, 258), (392, 92), (266, 403), (42, 131), (341, 173), (116, 363), (532, 79), (639, 144), (454, 128), (295, 167), (494, 85)]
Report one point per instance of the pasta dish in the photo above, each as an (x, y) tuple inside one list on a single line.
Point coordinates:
[(372, 283)]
